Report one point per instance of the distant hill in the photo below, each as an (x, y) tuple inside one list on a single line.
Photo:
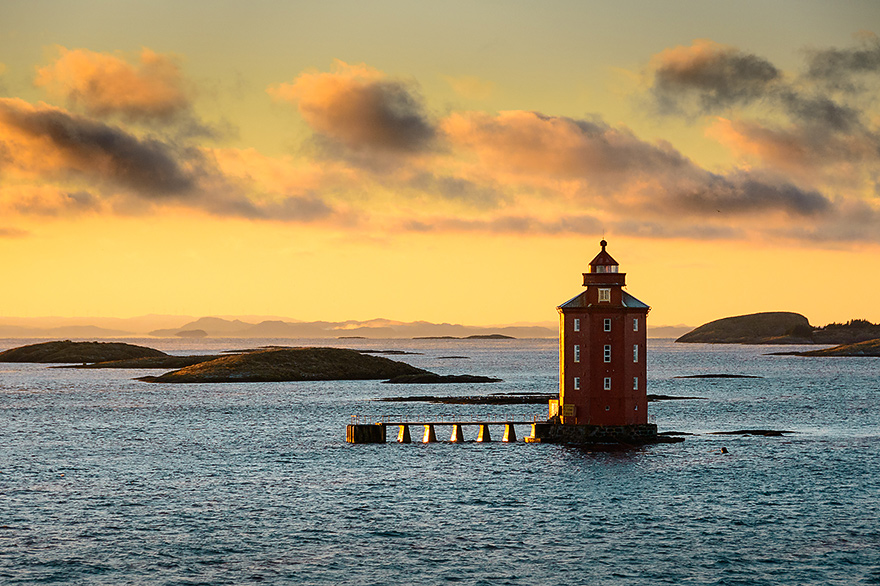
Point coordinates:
[(165, 326), (217, 327), (774, 327)]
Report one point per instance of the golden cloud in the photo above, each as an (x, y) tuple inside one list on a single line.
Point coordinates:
[(359, 107), (106, 84)]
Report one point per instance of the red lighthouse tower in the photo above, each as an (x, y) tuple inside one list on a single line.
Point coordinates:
[(602, 351)]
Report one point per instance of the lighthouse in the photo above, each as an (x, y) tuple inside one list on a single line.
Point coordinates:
[(602, 363), (602, 350)]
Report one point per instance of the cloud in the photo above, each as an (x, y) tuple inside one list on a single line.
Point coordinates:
[(531, 143), (360, 108), (51, 139), (13, 233), (47, 200), (819, 125), (106, 84), (839, 68), (507, 224), (615, 168), (719, 76)]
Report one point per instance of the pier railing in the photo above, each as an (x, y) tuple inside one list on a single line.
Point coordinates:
[(371, 430)]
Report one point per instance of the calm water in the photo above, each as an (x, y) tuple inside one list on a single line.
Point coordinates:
[(106, 480)]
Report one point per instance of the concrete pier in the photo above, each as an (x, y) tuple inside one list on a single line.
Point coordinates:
[(374, 433)]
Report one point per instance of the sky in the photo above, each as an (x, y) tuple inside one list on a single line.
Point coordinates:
[(448, 162)]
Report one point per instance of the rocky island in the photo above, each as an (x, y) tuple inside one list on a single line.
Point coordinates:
[(67, 352), (289, 364), (780, 327), (775, 327)]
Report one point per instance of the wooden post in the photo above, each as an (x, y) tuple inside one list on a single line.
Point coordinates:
[(509, 433), (457, 434), (484, 433), (403, 436), (429, 436)]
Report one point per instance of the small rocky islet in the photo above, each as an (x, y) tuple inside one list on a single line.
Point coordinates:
[(866, 348)]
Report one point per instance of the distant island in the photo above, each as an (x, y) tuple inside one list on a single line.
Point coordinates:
[(779, 327), (474, 337)]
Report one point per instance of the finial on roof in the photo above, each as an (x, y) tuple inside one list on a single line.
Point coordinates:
[(603, 244)]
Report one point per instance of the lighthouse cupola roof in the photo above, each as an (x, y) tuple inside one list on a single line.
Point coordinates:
[(603, 263)]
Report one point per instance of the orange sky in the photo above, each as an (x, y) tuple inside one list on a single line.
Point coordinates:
[(353, 161)]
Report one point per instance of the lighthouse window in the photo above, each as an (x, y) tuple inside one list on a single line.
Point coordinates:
[(607, 383), (635, 352), (636, 384), (635, 324), (577, 325), (607, 324), (577, 353), (604, 295), (607, 352), (577, 383)]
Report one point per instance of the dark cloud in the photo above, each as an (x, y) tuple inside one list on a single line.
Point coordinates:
[(838, 68), (146, 166), (742, 193), (719, 77), (820, 111)]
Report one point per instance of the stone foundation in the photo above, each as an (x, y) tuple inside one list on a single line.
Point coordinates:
[(561, 433)]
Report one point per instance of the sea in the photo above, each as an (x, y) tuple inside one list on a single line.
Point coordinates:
[(108, 480)]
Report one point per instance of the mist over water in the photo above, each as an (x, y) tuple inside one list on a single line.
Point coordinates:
[(107, 480)]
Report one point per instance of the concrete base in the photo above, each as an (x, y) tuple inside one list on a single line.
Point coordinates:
[(626, 435), (373, 433)]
